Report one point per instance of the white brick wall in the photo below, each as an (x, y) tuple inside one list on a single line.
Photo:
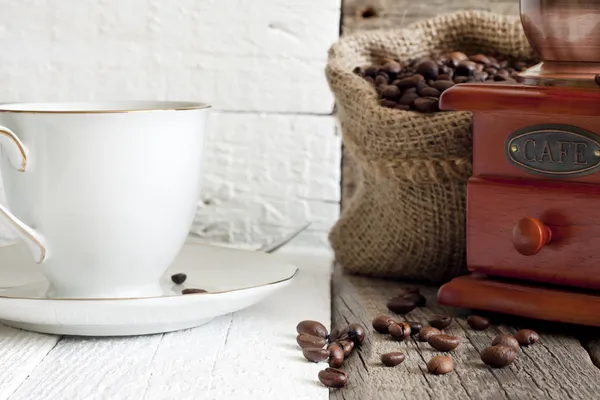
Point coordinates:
[(273, 152)]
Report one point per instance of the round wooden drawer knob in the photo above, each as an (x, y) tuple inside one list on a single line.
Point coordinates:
[(530, 235)]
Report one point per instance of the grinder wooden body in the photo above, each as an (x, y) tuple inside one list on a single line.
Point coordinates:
[(533, 202)]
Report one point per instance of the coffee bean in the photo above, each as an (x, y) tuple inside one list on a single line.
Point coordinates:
[(465, 68), (426, 104), (506, 339), (520, 66), (444, 77), (440, 365), (491, 70), (428, 69), (460, 79), (400, 305), (418, 78), (442, 85), (315, 354), (392, 359), (480, 76), (440, 321), (305, 340), (443, 342), (390, 92), (347, 346), (499, 78), (313, 328), (503, 72), (381, 81), (371, 71), (382, 322), (415, 328), (333, 377), (430, 92), (356, 333), (179, 278), (478, 68), (480, 58), (406, 83), (392, 67), (408, 98), (358, 71), (457, 55), (334, 335), (399, 331), (336, 355), (498, 356), (427, 332), (370, 80), (478, 323), (527, 337), (193, 291)]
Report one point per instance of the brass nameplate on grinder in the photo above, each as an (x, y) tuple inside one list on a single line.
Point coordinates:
[(555, 150)]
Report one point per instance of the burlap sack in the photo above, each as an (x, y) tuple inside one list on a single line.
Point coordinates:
[(407, 216)]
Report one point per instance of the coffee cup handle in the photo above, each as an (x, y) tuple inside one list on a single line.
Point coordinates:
[(17, 154)]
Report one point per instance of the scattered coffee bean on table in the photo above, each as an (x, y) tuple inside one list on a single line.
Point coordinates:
[(315, 354), (443, 342), (313, 328), (334, 335), (305, 340), (440, 321), (336, 355), (399, 331), (418, 84), (506, 339), (478, 323), (427, 332), (527, 337), (498, 356), (415, 327), (333, 377), (179, 278), (356, 333), (440, 365), (401, 305), (392, 359), (416, 298), (347, 346), (193, 291), (382, 322)]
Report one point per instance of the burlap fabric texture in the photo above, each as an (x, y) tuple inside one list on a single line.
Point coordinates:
[(407, 216)]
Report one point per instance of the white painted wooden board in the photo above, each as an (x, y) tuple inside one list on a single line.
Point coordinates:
[(260, 63), (260, 55), (267, 174), (251, 354)]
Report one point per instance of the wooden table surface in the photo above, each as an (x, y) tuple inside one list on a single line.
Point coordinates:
[(250, 354), (562, 366)]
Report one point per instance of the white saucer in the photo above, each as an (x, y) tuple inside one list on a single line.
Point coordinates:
[(234, 279)]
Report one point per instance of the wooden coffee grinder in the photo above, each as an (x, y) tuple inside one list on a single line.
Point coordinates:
[(533, 201)]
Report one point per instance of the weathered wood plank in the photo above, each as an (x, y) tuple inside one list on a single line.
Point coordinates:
[(376, 14), (558, 367)]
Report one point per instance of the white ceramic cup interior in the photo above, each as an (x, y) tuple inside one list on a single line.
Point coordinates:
[(103, 194)]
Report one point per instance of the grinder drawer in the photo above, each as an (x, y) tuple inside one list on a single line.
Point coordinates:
[(544, 231)]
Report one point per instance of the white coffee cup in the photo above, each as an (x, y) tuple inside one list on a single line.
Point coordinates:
[(103, 194)]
